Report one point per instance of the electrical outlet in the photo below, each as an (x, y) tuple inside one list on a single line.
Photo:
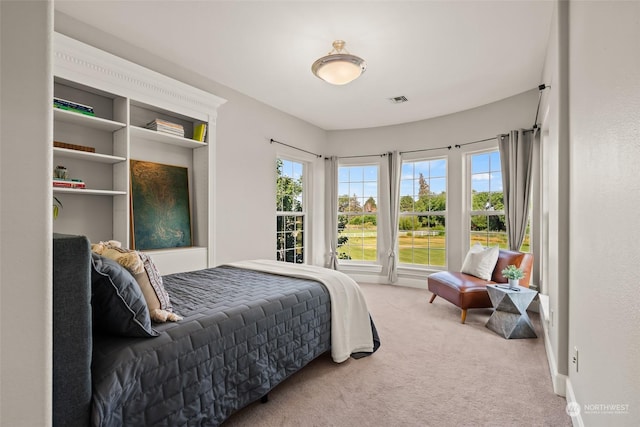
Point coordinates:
[(574, 359)]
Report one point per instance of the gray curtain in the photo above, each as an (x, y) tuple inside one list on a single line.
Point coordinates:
[(395, 164), (331, 210), (516, 157)]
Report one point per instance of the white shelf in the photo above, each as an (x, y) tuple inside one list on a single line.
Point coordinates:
[(88, 156), (88, 191), (84, 120), (152, 135)]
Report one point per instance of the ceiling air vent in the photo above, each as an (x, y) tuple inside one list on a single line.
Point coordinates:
[(398, 99)]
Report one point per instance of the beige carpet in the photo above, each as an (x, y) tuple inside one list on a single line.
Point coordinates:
[(429, 371)]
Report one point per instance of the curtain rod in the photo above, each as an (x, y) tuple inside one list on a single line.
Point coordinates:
[(364, 155), (271, 141), (448, 147)]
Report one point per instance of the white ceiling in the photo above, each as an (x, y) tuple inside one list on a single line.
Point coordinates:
[(444, 56)]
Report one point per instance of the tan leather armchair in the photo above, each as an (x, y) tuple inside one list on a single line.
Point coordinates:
[(466, 291)]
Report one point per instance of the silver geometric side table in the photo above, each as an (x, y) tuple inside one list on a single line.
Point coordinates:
[(510, 318)]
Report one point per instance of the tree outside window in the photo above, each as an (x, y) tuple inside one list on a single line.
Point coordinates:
[(358, 213), (422, 216), (290, 211), (487, 221)]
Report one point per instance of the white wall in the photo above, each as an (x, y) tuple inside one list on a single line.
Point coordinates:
[(246, 175), (460, 128), (26, 132), (604, 117)]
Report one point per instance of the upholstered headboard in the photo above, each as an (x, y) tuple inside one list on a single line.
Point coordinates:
[(72, 342)]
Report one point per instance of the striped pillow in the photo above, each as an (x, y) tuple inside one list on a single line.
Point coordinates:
[(157, 298)]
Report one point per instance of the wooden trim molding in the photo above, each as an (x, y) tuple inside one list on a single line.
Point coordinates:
[(78, 62)]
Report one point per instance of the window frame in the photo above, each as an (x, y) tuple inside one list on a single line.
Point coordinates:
[(444, 213), (306, 203), (469, 193), (363, 162)]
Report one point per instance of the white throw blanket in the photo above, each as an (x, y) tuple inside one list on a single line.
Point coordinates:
[(350, 322)]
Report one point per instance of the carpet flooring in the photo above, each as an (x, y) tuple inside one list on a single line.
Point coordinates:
[(430, 370)]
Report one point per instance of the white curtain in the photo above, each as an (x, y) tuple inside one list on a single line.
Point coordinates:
[(516, 157), (331, 210), (395, 166)]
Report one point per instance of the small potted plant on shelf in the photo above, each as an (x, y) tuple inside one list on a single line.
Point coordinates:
[(514, 274), (57, 205)]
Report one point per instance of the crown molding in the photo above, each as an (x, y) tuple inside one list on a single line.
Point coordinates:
[(84, 64)]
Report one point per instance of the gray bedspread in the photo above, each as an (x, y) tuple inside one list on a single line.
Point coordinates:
[(243, 333)]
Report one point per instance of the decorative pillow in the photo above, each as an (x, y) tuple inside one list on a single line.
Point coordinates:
[(126, 258), (157, 298), (481, 261), (117, 302)]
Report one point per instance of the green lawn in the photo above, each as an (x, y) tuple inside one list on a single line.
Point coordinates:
[(414, 248)]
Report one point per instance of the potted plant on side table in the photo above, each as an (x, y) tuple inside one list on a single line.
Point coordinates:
[(514, 274)]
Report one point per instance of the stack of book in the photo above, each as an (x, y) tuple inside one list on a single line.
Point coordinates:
[(63, 104), (68, 183), (164, 126)]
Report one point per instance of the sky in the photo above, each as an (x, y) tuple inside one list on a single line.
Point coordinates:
[(362, 181)]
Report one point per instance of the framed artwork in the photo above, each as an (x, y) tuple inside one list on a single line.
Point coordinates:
[(161, 215)]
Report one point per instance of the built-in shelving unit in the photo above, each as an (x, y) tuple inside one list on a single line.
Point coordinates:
[(125, 97)]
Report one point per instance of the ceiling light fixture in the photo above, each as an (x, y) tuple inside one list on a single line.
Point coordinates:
[(339, 67)]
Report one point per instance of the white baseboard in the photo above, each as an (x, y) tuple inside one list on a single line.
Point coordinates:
[(420, 283), (576, 419), (559, 381)]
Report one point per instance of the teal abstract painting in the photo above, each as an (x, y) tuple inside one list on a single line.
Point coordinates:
[(161, 216)]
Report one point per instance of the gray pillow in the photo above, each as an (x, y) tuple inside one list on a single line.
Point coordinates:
[(118, 306)]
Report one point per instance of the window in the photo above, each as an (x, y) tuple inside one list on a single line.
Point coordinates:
[(358, 213), (422, 217), (290, 211), (487, 222)]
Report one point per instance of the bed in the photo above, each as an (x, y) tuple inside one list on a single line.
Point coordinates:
[(244, 331)]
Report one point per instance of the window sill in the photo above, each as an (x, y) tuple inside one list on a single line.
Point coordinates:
[(361, 268), (418, 271)]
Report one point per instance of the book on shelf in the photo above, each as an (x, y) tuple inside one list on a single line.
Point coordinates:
[(64, 104), (73, 110), (165, 126), (73, 147), (68, 183), (200, 132)]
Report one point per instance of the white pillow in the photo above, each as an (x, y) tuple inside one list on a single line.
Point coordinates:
[(481, 261)]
